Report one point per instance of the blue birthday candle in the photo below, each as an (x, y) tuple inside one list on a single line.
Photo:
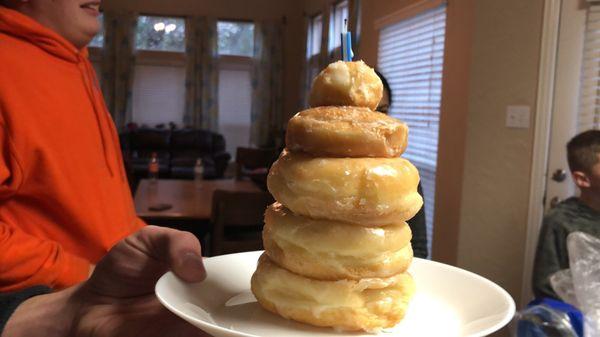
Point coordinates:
[(346, 37)]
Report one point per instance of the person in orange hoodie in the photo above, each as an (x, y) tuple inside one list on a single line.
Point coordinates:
[(64, 196)]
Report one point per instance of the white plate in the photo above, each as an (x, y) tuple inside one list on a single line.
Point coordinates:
[(449, 302)]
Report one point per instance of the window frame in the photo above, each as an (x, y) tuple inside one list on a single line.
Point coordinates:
[(160, 58)]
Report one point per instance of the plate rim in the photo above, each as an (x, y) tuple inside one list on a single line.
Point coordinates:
[(185, 317), (502, 323)]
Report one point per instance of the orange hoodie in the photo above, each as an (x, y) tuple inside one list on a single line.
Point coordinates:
[(64, 197)]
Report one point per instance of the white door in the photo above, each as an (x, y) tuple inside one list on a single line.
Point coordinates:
[(559, 184), (556, 117)]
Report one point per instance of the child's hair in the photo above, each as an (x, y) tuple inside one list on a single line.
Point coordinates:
[(386, 85), (583, 150)]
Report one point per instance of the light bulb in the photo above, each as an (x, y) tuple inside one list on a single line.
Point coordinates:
[(170, 27)]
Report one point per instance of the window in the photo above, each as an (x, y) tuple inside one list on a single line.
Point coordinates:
[(236, 38), (160, 34), (235, 102), (98, 40), (589, 110), (158, 94), (159, 76), (339, 14), (236, 49), (411, 56), (313, 36)]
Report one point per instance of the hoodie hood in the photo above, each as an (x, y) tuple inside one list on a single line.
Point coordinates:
[(23, 27)]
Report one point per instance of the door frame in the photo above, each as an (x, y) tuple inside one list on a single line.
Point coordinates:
[(543, 123)]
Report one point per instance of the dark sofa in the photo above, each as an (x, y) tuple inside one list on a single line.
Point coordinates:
[(177, 151)]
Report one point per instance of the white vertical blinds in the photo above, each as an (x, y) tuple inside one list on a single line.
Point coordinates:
[(158, 94), (235, 100), (411, 56), (589, 100)]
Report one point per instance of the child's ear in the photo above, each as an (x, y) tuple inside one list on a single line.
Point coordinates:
[(581, 179)]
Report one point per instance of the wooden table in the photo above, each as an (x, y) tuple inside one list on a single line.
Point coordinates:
[(189, 200)]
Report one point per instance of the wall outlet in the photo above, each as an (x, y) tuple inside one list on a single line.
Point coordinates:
[(517, 116)]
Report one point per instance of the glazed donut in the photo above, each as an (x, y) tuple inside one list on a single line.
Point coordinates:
[(345, 304), (346, 132), (364, 191), (331, 250), (347, 83)]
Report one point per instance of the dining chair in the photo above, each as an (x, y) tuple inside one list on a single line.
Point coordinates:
[(237, 221), (249, 161)]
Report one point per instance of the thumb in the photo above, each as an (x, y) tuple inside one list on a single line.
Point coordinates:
[(179, 250)]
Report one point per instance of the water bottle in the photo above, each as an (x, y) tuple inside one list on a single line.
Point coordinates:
[(153, 168), (198, 172)]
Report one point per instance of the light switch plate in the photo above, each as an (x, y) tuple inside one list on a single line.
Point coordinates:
[(517, 116)]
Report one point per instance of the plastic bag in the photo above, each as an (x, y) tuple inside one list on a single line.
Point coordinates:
[(547, 318), (584, 260), (562, 284), (578, 286)]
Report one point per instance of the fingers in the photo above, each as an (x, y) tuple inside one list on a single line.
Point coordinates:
[(179, 250)]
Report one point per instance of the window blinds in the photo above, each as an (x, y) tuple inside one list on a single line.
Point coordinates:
[(235, 100), (158, 94), (411, 56), (589, 101)]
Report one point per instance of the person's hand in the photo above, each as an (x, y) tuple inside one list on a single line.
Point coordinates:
[(118, 299)]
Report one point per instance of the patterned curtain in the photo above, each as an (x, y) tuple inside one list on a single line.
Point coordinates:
[(267, 87), (202, 74), (118, 64)]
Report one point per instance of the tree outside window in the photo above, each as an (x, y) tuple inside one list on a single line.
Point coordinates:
[(160, 34)]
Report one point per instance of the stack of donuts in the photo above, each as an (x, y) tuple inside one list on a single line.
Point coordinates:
[(337, 245)]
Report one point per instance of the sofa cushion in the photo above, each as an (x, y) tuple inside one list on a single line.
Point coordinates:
[(150, 139), (199, 140)]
